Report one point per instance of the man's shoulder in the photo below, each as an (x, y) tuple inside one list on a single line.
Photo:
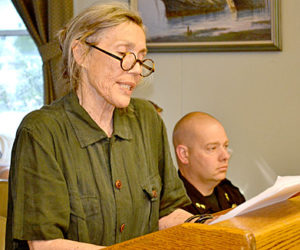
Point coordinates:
[(226, 182), (227, 186)]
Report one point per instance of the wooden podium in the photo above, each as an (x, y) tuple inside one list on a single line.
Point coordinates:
[(273, 227)]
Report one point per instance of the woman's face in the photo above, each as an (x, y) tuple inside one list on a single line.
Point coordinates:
[(104, 74)]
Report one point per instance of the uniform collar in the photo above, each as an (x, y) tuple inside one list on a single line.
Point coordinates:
[(86, 129), (199, 202)]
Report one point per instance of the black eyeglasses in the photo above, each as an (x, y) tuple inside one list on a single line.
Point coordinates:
[(128, 61)]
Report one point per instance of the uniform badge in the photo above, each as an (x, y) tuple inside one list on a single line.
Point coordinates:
[(200, 205), (226, 196)]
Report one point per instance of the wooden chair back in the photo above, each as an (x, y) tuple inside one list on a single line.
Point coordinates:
[(3, 210), (3, 197)]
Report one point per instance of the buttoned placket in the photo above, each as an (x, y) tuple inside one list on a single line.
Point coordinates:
[(120, 190)]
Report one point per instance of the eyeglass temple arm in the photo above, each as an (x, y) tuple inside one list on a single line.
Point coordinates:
[(106, 52)]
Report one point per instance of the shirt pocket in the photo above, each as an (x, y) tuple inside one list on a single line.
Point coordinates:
[(152, 190), (86, 220)]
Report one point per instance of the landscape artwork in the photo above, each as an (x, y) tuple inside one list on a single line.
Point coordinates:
[(210, 25)]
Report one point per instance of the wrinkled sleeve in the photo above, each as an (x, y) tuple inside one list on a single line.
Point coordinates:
[(173, 194), (38, 196)]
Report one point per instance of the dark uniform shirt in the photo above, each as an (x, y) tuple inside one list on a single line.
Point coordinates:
[(69, 180), (225, 196)]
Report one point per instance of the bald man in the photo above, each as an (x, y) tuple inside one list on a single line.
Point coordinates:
[(202, 153)]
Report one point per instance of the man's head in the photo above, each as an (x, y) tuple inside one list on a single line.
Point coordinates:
[(201, 147)]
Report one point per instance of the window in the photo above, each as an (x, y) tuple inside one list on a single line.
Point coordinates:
[(21, 77)]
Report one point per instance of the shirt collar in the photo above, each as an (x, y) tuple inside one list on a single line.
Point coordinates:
[(86, 129)]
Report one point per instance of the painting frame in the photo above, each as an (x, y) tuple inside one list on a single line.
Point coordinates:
[(274, 44)]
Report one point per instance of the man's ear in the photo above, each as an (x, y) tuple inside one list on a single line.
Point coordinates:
[(78, 49), (182, 154)]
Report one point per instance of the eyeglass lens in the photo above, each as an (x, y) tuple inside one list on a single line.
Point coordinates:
[(129, 61)]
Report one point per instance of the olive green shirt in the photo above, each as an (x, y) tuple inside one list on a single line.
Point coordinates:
[(69, 180)]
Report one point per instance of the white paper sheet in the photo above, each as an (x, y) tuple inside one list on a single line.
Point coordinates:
[(284, 188)]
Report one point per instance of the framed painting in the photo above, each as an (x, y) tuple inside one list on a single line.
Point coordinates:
[(210, 25)]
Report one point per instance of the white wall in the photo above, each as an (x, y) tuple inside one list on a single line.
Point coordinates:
[(256, 95)]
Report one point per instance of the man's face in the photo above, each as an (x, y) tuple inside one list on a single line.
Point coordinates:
[(208, 152)]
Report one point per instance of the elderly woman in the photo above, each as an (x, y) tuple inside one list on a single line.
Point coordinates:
[(94, 168)]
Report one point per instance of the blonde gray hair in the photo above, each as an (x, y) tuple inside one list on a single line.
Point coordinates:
[(89, 24)]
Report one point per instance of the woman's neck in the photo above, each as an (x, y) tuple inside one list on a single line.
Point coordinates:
[(97, 107)]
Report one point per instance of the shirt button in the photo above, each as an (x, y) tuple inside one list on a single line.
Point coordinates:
[(154, 193), (122, 227), (118, 184)]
